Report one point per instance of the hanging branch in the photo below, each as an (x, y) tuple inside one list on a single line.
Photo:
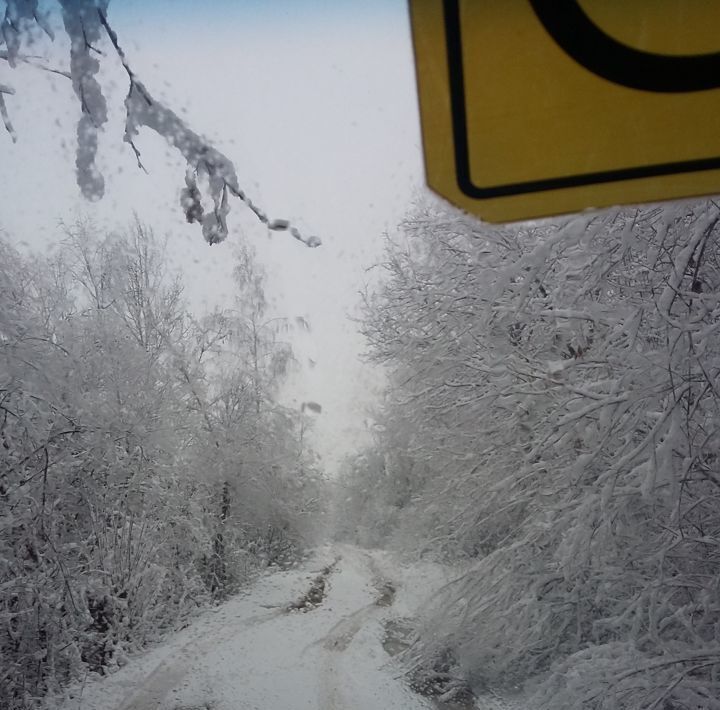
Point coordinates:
[(84, 30), (4, 112), (210, 175)]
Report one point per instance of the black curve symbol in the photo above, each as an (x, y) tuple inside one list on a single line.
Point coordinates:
[(461, 140), (579, 37)]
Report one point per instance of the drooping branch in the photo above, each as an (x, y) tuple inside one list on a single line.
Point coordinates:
[(204, 161), (33, 61), (83, 27), (210, 175), (18, 15), (4, 112)]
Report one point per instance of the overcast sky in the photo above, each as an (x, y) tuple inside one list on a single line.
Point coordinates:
[(314, 101)]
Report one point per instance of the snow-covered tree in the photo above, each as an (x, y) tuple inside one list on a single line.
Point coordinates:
[(561, 382), (145, 463)]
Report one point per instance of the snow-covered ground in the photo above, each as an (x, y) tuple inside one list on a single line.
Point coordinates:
[(252, 653)]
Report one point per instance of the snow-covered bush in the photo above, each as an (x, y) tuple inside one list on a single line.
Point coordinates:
[(563, 386)]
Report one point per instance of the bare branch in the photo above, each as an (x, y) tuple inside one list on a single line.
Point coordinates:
[(5, 116)]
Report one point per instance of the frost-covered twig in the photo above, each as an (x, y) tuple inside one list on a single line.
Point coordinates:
[(33, 61), (4, 112), (17, 14), (203, 161)]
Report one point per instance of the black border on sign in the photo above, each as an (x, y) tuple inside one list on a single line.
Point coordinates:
[(453, 38)]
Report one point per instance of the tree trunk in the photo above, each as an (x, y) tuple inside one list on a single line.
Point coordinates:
[(219, 565)]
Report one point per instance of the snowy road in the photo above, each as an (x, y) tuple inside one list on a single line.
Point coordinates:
[(251, 653)]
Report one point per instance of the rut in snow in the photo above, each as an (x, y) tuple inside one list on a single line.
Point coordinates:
[(317, 592)]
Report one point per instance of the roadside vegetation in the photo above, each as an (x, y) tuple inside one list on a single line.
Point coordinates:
[(551, 422), (146, 465)]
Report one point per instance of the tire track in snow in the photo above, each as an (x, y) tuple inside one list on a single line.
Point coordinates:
[(335, 643), (341, 635), (253, 654), (169, 673)]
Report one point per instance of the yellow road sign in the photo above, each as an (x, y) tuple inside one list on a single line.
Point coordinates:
[(538, 107)]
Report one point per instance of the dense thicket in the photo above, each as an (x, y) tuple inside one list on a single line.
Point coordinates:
[(145, 464), (555, 391)]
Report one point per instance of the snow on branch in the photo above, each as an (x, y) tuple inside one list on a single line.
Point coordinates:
[(82, 25), (203, 161), (18, 15), (210, 176), (4, 112)]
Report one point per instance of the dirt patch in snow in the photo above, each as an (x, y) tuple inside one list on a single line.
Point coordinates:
[(386, 593), (398, 636), (442, 684), (317, 592), (439, 684)]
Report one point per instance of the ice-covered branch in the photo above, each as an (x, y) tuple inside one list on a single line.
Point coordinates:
[(4, 112), (204, 162), (18, 15), (36, 62), (83, 27), (210, 176)]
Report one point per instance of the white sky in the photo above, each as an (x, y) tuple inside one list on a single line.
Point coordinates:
[(314, 101)]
